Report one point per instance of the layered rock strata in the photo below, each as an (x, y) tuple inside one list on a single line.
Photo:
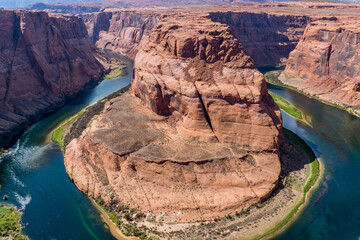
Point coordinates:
[(43, 60), (200, 74), (120, 31), (267, 38), (199, 140), (326, 62)]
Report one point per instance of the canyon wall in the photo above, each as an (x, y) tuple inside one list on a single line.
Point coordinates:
[(119, 31), (326, 61), (199, 126), (267, 38), (43, 60)]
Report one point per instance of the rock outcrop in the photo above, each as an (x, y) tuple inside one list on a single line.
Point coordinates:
[(204, 145), (200, 74), (120, 31), (43, 60), (326, 61)]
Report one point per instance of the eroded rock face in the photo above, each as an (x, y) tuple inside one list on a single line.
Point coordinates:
[(200, 74), (43, 60), (327, 61), (120, 31), (132, 155), (267, 38), (204, 145)]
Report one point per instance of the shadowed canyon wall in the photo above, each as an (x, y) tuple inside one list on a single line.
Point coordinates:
[(43, 60), (267, 38), (119, 31)]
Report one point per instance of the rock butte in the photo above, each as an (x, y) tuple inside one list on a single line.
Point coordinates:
[(208, 129)]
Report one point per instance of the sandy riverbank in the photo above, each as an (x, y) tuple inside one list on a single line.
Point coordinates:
[(115, 231)]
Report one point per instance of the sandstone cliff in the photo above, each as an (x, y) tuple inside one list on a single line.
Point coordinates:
[(120, 31), (200, 74), (43, 60), (327, 60), (267, 38), (204, 145)]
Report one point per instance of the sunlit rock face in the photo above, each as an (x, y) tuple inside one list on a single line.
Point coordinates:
[(327, 60), (43, 60), (199, 73)]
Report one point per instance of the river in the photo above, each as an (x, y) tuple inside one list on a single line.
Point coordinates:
[(33, 175), (334, 210)]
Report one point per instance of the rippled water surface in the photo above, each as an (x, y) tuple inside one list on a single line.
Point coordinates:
[(33, 175), (334, 210)]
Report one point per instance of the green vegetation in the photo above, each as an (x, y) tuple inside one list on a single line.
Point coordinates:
[(293, 182), (115, 73), (313, 177), (10, 223), (272, 79), (58, 134), (3, 151), (126, 228), (286, 106)]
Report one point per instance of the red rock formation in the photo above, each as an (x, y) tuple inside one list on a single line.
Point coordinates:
[(43, 60), (268, 39), (327, 61), (198, 84), (199, 73), (120, 31)]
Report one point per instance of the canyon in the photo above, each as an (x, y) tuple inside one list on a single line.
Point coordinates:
[(267, 37), (105, 5), (120, 31), (198, 123), (44, 59)]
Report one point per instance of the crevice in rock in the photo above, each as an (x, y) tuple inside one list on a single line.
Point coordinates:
[(328, 55), (141, 187), (207, 117), (247, 180)]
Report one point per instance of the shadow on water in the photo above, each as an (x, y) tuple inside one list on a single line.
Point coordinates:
[(294, 155), (264, 70), (33, 175)]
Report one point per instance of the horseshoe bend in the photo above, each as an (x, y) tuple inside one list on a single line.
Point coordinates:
[(195, 138), (171, 125)]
